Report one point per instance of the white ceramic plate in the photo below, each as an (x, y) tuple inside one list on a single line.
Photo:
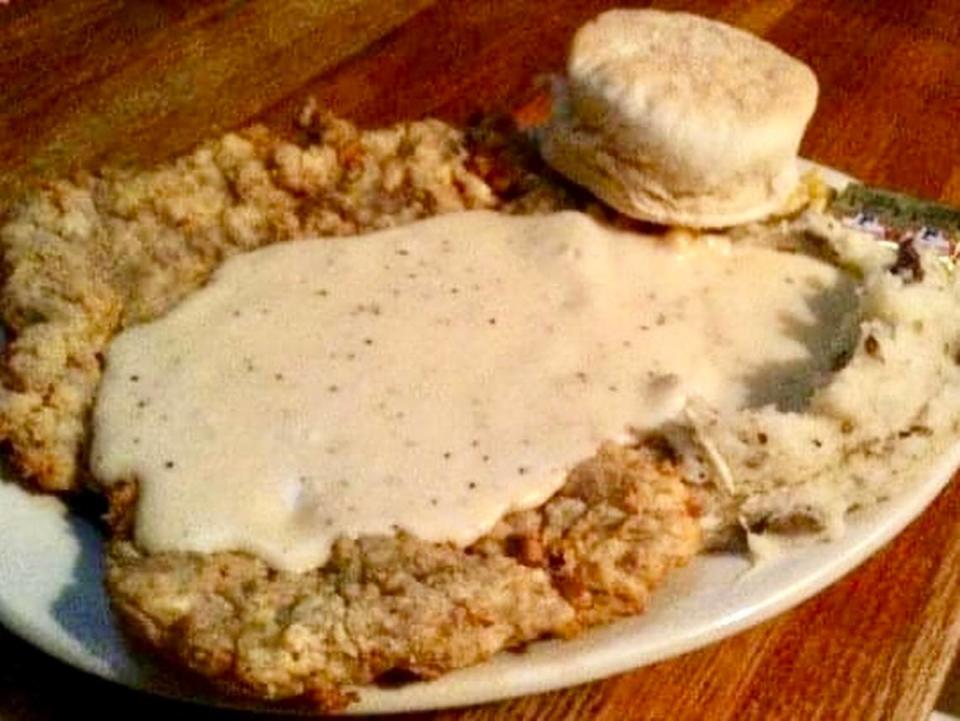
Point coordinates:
[(51, 594)]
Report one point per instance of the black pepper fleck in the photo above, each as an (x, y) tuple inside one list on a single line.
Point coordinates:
[(278, 376), (371, 308), (134, 378), (368, 341), (168, 464), (762, 438), (522, 470), (333, 388), (492, 321), (141, 404), (915, 430), (471, 485), (447, 455), (434, 501), (908, 265), (839, 360), (321, 292)]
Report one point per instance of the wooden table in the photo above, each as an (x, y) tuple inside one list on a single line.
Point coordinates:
[(88, 81)]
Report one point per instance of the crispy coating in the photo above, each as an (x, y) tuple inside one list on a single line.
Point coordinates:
[(592, 553), (81, 260), (84, 259)]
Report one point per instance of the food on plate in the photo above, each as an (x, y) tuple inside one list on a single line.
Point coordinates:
[(795, 461), (492, 409), (85, 259), (680, 120), (392, 603), (434, 377)]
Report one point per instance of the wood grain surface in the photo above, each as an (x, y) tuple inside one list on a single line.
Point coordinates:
[(84, 83), (88, 81)]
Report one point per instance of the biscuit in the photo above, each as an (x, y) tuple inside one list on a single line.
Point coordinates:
[(680, 120)]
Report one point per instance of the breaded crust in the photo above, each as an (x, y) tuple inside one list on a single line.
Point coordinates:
[(84, 259), (81, 260), (592, 553)]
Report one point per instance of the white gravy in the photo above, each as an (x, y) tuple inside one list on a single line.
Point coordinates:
[(428, 378)]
